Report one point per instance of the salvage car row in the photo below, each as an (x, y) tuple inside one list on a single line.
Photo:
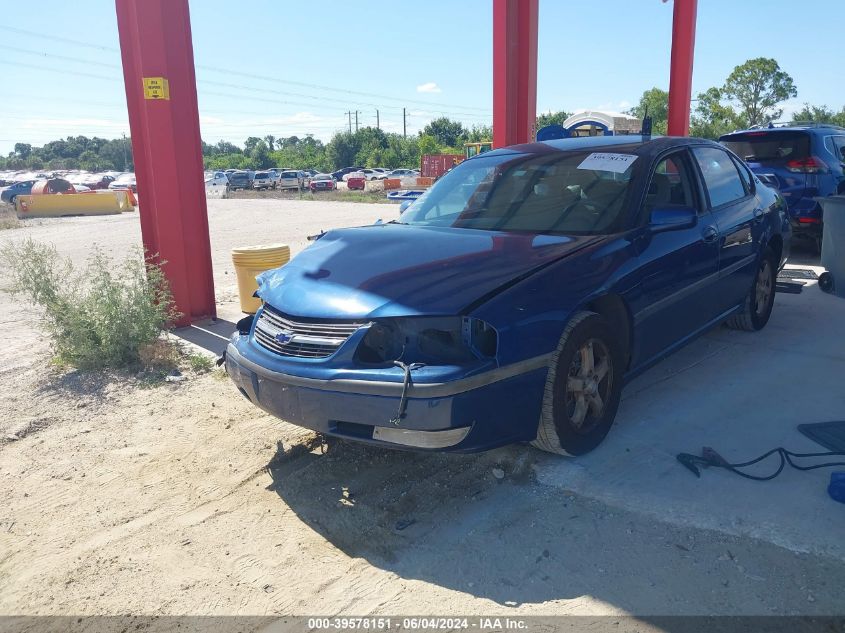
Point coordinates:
[(14, 184)]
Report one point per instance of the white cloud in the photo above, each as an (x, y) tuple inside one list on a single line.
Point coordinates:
[(429, 87)]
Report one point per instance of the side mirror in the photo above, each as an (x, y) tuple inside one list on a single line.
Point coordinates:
[(672, 219)]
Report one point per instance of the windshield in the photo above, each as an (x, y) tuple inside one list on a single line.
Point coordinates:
[(769, 146), (539, 193)]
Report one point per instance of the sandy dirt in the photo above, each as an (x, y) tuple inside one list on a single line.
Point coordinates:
[(116, 497)]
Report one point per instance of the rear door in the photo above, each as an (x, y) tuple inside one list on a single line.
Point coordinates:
[(739, 218), (678, 271), (780, 158)]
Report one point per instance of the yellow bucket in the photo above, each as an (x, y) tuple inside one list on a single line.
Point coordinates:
[(250, 261)]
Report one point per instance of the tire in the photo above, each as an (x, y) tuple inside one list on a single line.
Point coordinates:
[(760, 299), (559, 430), (826, 283)]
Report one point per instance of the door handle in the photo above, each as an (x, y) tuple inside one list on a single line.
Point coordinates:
[(710, 234), (758, 215)]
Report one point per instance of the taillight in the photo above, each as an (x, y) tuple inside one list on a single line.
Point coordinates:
[(810, 165), (809, 221)]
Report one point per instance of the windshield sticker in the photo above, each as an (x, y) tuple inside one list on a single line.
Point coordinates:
[(602, 161)]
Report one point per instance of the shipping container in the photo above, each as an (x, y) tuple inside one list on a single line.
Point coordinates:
[(435, 165)]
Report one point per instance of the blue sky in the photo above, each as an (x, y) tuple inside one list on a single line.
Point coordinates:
[(295, 67)]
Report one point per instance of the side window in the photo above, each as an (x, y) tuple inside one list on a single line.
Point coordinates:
[(670, 185), (839, 144), (745, 176), (720, 175)]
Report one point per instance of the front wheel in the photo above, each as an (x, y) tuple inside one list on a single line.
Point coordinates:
[(583, 387), (760, 300)]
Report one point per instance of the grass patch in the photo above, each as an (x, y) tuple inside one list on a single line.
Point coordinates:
[(8, 219), (200, 363), (106, 314)]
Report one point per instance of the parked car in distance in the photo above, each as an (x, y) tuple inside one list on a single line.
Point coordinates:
[(22, 188), (124, 181), (374, 174), (616, 251), (275, 173), (239, 180), (803, 161), (263, 180), (402, 173), (356, 180), (340, 173), (291, 180), (216, 180), (322, 182)]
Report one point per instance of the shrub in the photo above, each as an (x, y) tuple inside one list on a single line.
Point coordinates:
[(101, 316), (200, 363), (8, 219)]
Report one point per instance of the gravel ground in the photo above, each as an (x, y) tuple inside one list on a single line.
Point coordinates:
[(116, 497)]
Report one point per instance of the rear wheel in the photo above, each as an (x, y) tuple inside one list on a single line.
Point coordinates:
[(583, 387), (760, 300)]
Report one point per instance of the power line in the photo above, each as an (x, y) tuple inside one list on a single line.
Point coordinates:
[(230, 71)]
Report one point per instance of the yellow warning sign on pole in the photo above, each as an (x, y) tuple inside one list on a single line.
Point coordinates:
[(156, 88)]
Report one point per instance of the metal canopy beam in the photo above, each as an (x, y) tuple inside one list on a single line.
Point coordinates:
[(161, 96), (514, 71), (680, 74)]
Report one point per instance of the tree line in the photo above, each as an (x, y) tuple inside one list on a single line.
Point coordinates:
[(752, 94), (367, 147)]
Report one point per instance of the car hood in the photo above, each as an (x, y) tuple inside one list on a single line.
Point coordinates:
[(398, 270)]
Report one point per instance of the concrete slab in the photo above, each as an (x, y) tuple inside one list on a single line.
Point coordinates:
[(742, 394)]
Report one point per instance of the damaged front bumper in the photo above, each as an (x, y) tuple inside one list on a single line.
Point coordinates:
[(491, 408)]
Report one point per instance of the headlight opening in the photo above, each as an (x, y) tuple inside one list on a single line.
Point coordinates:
[(429, 340)]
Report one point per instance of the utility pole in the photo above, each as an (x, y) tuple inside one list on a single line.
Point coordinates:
[(378, 126), (349, 114), (356, 121), (404, 124), (124, 152)]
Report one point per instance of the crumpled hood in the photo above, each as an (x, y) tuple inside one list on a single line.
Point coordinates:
[(398, 270)]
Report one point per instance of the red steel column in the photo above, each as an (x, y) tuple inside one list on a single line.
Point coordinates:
[(155, 42), (514, 71), (680, 74)]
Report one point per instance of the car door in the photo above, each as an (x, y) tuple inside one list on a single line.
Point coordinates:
[(674, 287), (739, 218)]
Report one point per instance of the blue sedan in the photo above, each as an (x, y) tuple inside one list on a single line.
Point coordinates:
[(11, 193), (513, 300)]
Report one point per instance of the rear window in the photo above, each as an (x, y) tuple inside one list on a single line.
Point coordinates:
[(768, 146), (262, 174), (237, 176), (290, 174)]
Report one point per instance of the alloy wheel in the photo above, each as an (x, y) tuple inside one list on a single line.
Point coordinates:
[(588, 385), (764, 288)]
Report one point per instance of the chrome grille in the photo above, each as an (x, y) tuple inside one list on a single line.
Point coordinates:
[(290, 336)]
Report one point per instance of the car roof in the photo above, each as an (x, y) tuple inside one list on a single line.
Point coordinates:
[(632, 143), (795, 127)]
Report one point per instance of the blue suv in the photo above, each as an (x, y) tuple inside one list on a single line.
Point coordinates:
[(802, 160)]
